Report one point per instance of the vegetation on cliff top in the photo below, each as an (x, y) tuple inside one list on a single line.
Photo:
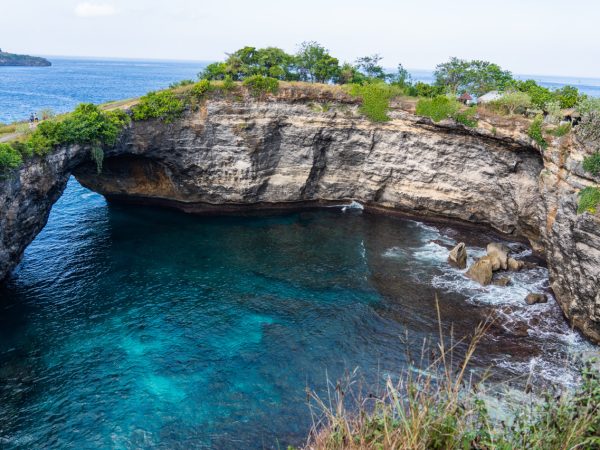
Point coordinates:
[(11, 59), (439, 404), (86, 125)]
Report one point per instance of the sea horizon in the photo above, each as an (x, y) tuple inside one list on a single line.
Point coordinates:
[(73, 80)]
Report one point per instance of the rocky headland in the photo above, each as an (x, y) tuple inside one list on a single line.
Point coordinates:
[(304, 147), (11, 59)]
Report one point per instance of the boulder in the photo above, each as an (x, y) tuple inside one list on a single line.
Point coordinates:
[(532, 299), (514, 265), (502, 281), (458, 256), (499, 251), (481, 271)]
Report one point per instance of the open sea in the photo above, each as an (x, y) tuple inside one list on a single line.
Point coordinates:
[(137, 327)]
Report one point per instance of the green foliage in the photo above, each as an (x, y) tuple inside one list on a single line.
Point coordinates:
[(228, 84), (561, 130), (438, 108), (420, 89), (588, 129), (513, 102), (478, 77), (200, 88), (314, 63), (163, 105), (592, 163), (589, 199), (10, 159), (401, 78), (250, 61), (348, 74), (540, 96), (536, 133), (97, 155), (87, 125), (369, 66), (375, 99), (553, 111), (567, 96), (467, 117), (260, 85), (181, 83)]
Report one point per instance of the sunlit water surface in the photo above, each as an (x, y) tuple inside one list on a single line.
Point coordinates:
[(133, 327)]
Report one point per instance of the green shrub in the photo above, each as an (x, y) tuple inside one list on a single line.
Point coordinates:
[(228, 83), (561, 130), (260, 85), (200, 88), (438, 108), (467, 117), (375, 99), (163, 105), (10, 158), (87, 125), (536, 133), (513, 102), (589, 199), (592, 163)]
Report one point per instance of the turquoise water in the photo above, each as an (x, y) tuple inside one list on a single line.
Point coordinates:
[(134, 327)]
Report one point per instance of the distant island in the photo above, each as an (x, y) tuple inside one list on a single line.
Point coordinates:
[(10, 59)]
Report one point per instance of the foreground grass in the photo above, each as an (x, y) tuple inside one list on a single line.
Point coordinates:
[(441, 407)]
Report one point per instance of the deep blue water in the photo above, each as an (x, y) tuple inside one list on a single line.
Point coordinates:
[(137, 327), (70, 81)]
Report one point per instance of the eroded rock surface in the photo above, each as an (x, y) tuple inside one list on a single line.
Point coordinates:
[(230, 156)]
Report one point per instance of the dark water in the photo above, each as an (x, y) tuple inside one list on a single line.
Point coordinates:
[(133, 327), (70, 81)]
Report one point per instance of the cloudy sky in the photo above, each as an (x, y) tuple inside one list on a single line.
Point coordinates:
[(548, 37)]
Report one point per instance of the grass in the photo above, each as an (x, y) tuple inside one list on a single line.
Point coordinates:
[(589, 199), (8, 129), (536, 132), (441, 407), (561, 130), (591, 163)]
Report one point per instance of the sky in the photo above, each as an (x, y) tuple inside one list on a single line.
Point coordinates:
[(541, 37)]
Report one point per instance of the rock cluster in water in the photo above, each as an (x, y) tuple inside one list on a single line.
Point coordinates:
[(240, 154)]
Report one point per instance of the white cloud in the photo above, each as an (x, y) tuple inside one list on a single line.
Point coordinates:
[(88, 9)]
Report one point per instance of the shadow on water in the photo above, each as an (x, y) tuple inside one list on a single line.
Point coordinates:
[(138, 327)]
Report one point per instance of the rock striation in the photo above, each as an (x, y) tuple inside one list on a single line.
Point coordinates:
[(235, 155)]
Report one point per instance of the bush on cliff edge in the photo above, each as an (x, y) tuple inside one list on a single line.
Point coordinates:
[(10, 159)]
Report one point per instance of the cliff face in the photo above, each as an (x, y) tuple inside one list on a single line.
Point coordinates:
[(232, 156)]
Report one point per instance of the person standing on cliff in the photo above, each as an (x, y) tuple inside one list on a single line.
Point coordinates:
[(31, 119)]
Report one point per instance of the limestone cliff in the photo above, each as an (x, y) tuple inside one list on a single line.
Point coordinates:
[(284, 152)]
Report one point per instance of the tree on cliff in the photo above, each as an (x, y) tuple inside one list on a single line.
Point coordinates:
[(315, 64), (477, 77)]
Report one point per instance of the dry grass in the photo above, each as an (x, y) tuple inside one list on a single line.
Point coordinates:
[(439, 406)]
